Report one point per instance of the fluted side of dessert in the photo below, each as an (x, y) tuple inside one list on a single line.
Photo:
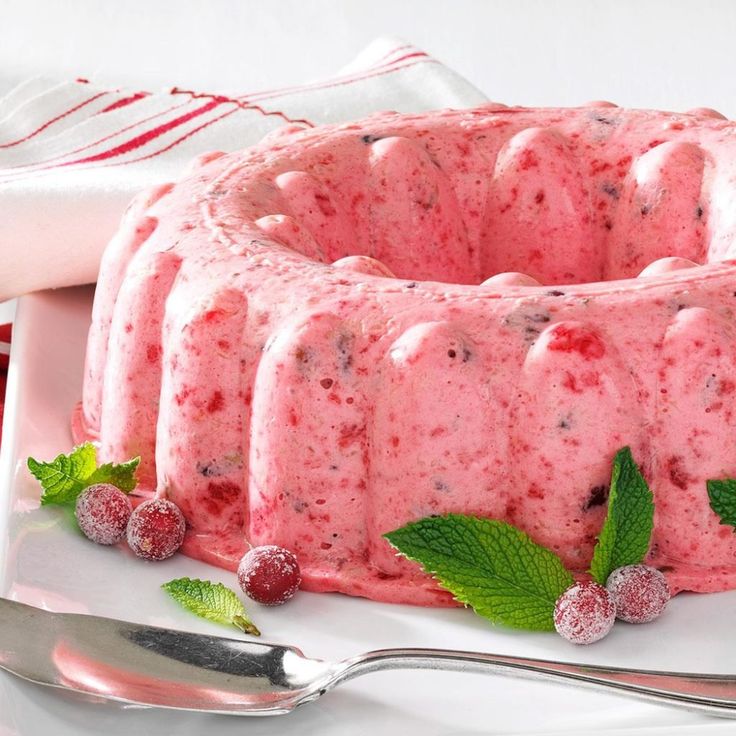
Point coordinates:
[(317, 340)]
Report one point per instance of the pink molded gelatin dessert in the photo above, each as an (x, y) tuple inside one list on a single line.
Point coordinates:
[(343, 329)]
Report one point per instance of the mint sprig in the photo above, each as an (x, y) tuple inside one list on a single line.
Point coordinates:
[(722, 497), (66, 476), (121, 475), (489, 565), (212, 601), (504, 576), (627, 530)]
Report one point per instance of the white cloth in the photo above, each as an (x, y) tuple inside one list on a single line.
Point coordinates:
[(72, 155)]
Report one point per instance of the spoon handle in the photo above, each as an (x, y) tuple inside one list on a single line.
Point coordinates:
[(713, 694)]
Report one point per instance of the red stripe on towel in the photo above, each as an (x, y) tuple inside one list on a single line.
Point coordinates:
[(378, 73), (243, 104), (124, 102), (177, 141), (11, 171), (143, 138), (53, 120), (348, 78)]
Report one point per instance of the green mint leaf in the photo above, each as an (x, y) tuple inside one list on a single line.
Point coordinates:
[(121, 475), (489, 565), (627, 530), (66, 476), (212, 601), (722, 495)]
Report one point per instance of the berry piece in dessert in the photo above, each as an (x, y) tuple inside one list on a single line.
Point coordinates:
[(102, 512), (640, 593), (584, 613), (156, 529), (269, 574)]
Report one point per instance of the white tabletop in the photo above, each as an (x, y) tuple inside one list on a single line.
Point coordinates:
[(669, 54)]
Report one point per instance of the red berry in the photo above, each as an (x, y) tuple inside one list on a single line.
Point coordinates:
[(156, 529), (640, 593), (584, 613), (269, 574), (102, 513)]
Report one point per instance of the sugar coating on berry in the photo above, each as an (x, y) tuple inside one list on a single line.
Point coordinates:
[(156, 529), (102, 512), (584, 613), (269, 574), (640, 593)]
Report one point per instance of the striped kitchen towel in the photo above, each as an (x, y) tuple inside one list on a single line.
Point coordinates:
[(73, 154)]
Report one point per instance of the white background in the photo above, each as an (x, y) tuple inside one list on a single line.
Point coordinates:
[(671, 55)]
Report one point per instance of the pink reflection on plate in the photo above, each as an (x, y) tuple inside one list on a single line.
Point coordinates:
[(46, 599)]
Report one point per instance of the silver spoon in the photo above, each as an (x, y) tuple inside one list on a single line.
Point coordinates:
[(151, 666)]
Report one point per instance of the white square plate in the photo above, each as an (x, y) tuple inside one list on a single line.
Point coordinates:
[(46, 562)]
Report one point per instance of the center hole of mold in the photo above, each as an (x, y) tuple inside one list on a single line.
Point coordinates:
[(552, 206)]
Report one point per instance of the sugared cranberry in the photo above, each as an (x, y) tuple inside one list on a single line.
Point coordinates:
[(156, 529), (584, 613), (269, 574), (102, 512), (639, 592)]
